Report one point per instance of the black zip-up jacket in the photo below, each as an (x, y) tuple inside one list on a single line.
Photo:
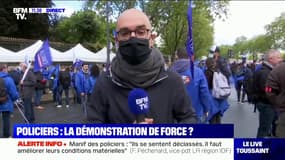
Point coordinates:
[(260, 78), (168, 98)]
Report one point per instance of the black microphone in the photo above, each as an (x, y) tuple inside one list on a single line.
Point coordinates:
[(138, 102)]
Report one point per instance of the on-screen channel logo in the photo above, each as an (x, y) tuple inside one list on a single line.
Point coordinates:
[(22, 12)]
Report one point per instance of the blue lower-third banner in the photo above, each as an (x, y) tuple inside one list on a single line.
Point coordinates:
[(122, 131)]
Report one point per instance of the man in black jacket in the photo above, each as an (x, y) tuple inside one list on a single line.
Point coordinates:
[(265, 108), (275, 90), (139, 65)]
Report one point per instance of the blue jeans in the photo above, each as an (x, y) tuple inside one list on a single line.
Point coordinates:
[(38, 97), (266, 117), (66, 93), (6, 123), (84, 103), (55, 94), (29, 110)]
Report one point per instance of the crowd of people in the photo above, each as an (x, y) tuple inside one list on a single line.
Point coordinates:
[(177, 94), (250, 81), (25, 88)]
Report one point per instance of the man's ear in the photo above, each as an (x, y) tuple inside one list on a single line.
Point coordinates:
[(152, 39), (153, 35)]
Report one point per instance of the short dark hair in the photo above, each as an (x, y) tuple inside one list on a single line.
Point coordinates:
[(84, 63), (182, 53), (94, 70), (214, 49)]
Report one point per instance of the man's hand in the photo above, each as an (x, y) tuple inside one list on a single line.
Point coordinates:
[(146, 121)]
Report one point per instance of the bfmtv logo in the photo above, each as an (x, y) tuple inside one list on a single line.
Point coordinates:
[(142, 103), (20, 13)]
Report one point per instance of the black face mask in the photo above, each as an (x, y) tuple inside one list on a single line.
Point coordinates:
[(135, 50)]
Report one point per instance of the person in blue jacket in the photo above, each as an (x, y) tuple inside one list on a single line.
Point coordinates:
[(197, 86), (94, 73), (83, 85), (6, 108)]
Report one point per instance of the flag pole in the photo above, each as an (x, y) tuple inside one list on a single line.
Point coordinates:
[(26, 71), (189, 41), (29, 66), (108, 36)]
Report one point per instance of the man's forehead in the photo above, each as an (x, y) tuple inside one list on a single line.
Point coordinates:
[(131, 19)]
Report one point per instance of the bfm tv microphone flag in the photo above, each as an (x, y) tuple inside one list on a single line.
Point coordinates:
[(189, 41), (43, 57)]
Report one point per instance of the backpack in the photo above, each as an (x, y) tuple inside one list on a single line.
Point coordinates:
[(3, 91), (221, 88), (249, 86), (64, 79)]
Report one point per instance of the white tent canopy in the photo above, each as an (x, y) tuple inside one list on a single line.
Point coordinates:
[(102, 55), (77, 52), (31, 51), (28, 52), (7, 55)]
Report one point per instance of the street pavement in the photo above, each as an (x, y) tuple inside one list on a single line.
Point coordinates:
[(241, 115)]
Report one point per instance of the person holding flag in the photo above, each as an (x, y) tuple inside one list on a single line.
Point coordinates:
[(28, 81), (197, 85), (192, 76), (27, 90)]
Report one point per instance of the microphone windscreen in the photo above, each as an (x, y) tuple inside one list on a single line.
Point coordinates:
[(138, 101)]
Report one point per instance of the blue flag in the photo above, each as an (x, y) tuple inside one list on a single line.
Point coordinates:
[(189, 41), (57, 69), (43, 57), (77, 63)]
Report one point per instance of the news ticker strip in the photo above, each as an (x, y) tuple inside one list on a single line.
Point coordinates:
[(124, 149), (194, 148), (21, 12), (123, 131)]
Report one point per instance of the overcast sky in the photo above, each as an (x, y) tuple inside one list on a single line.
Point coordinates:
[(247, 18)]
